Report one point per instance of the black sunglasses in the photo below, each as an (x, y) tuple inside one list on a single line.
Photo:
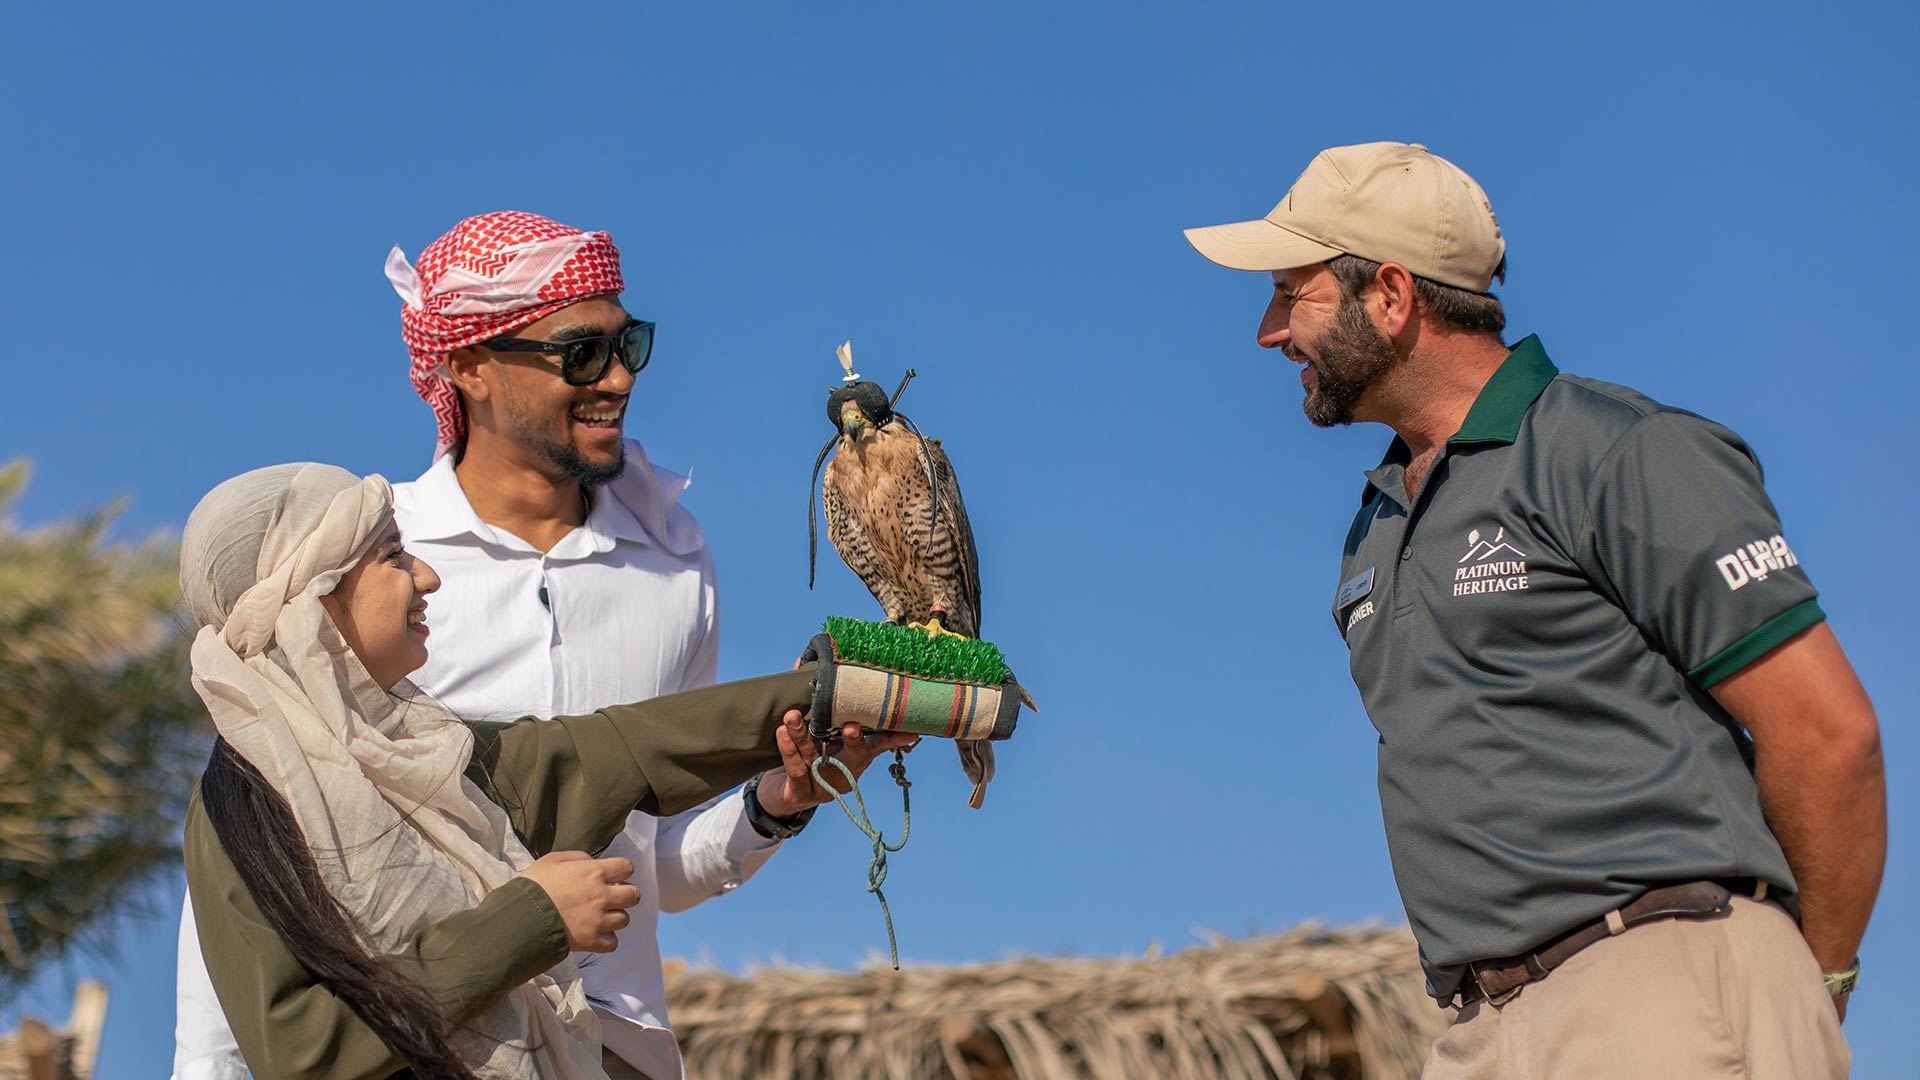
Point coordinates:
[(584, 360)]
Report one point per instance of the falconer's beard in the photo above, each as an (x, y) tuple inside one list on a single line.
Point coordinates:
[(1349, 358)]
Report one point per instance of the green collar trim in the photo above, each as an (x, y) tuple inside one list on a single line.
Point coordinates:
[(1495, 416), (1504, 401)]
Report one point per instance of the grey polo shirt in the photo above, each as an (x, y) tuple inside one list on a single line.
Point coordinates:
[(1534, 636)]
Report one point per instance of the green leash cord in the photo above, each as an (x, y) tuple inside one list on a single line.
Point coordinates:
[(877, 866)]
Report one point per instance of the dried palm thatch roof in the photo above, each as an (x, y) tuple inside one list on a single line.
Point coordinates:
[(1311, 1004)]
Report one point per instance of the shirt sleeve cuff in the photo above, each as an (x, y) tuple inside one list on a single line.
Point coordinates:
[(520, 917), (468, 961), (1769, 636), (742, 838)]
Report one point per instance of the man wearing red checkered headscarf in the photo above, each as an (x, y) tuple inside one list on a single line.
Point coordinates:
[(488, 276), (571, 578)]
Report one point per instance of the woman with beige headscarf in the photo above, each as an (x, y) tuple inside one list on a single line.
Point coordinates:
[(361, 862)]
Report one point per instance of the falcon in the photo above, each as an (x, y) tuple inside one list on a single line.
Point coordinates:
[(895, 515)]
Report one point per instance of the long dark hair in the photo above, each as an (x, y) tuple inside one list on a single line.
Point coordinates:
[(267, 848)]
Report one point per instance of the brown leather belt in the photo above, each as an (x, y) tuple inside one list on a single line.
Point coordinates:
[(1494, 978)]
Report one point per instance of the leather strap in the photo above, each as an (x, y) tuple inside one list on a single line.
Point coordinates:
[(1493, 978)]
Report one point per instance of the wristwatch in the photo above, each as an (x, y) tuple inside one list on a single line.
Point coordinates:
[(773, 828), (1841, 983)]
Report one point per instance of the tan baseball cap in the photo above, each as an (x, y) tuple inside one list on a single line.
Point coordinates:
[(1383, 201)]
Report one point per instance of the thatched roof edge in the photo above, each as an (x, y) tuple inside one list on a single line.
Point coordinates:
[(1311, 1002)]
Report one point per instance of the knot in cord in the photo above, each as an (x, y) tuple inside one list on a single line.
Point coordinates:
[(876, 866)]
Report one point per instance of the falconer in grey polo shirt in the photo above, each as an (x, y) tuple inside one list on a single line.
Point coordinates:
[(1620, 754)]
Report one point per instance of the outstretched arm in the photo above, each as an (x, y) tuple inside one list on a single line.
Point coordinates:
[(569, 783)]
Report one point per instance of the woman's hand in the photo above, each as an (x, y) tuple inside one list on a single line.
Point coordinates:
[(786, 791), (591, 895)]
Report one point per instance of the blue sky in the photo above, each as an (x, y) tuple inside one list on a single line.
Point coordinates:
[(1710, 203)]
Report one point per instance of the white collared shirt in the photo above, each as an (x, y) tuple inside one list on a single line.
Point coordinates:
[(622, 609)]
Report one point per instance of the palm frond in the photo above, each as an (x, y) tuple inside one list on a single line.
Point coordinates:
[(100, 732)]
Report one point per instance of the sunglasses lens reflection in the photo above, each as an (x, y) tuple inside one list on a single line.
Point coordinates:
[(586, 361)]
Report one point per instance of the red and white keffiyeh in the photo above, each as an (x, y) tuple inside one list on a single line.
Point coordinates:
[(490, 275)]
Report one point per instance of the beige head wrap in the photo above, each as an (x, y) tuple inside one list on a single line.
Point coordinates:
[(375, 778)]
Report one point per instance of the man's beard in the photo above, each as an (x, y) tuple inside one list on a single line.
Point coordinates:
[(1351, 356), (560, 453), (566, 457)]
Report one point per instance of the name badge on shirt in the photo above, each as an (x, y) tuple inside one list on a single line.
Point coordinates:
[(1354, 588)]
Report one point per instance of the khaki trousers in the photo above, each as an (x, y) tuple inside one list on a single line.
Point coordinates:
[(1736, 994)]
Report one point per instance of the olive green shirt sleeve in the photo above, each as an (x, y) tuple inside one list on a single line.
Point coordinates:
[(289, 1025), (569, 783)]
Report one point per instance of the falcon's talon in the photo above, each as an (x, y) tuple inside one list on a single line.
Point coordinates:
[(933, 628)]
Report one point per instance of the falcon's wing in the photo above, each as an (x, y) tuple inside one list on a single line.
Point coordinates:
[(976, 758), (953, 514)]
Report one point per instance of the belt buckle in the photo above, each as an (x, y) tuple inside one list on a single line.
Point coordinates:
[(1473, 976), (1471, 989)]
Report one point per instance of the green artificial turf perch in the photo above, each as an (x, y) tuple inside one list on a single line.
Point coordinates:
[(896, 678), (912, 652)]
